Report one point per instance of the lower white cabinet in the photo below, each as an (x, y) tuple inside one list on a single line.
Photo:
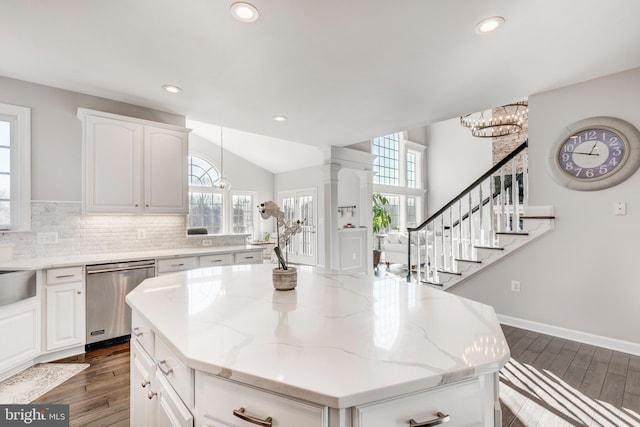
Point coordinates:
[(154, 403), (456, 405), (19, 333), (171, 265), (220, 402), (143, 397), (65, 315), (170, 412)]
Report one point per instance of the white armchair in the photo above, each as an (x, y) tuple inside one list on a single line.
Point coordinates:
[(394, 249)]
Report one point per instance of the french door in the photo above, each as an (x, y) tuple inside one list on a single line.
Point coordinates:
[(301, 205)]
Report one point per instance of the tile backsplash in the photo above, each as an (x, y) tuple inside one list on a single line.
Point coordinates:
[(94, 234)]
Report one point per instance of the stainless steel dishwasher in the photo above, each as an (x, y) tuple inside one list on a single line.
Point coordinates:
[(108, 315)]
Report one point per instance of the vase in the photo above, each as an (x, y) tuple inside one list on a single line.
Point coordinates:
[(285, 280)]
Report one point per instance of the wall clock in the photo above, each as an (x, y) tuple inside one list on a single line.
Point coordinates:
[(595, 153)]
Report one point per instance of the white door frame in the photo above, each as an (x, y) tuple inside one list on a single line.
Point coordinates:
[(310, 229)]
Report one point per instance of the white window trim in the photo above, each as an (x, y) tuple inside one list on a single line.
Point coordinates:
[(20, 166), (402, 190), (228, 225)]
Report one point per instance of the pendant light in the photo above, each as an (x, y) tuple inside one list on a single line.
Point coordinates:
[(222, 182)]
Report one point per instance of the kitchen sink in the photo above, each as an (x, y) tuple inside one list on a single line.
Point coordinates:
[(17, 285)]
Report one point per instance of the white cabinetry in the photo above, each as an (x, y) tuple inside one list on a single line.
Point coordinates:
[(132, 165), (143, 397), (457, 405), (19, 333), (65, 307), (221, 402), (171, 265)]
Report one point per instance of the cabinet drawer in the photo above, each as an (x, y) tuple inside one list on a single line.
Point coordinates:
[(64, 275), (248, 257), (177, 264), (213, 260), (142, 333), (462, 402), (217, 399), (177, 373)]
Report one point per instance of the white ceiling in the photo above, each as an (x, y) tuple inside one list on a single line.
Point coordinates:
[(343, 71)]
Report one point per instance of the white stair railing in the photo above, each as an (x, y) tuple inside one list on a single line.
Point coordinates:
[(491, 205)]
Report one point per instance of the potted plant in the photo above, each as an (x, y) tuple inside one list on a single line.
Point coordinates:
[(284, 276), (381, 220)]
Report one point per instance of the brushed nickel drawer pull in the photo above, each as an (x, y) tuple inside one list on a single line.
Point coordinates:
[(65, 276), (253, 420), (441, 419), (177, 265), (137, 332), (165, 370)]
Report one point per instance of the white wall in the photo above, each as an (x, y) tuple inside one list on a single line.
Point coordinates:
[(454, 160), (583, 275), (56, 134), (244, 175)]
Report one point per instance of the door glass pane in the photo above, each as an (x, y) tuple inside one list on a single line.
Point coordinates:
[(5, 214), (5, 159), (242, 213), (5, 133)]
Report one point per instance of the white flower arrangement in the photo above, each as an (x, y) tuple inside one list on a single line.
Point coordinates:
[(285, 229)]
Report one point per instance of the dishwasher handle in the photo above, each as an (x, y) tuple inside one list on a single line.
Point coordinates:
[(108, 268)]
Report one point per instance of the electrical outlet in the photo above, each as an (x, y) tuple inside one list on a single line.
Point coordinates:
[(142, 233), (515, 286), (207, 242), (47, 237)]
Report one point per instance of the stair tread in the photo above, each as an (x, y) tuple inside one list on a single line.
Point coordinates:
[(426, 282), (450, 272), (489, 247), (468, 260)]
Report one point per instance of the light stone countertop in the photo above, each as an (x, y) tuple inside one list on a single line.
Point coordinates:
[(337, 340), (68, 261)]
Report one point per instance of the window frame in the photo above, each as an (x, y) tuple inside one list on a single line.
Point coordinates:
[(402, 190), (20, 164), (227, 201)]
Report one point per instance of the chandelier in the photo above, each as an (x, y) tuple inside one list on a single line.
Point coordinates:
[(500, 121)]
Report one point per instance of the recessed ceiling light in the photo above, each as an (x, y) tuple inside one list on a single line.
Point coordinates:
[(244, 12), (172, 89), (280, 118), (490, 24)]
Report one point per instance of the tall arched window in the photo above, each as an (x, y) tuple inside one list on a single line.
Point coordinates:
[(205, 201)]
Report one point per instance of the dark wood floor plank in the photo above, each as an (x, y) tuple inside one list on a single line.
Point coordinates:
[(555, 345), (561, 363), (633, 382), (619, 363), (540, 343), (594, 379), (583, 356), (613, 389), (634, 362), (602, 355)]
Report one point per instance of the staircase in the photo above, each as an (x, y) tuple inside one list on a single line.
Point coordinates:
[(486, 222)]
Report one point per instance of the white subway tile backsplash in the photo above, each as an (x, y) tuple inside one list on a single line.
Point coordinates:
[(94, 234)]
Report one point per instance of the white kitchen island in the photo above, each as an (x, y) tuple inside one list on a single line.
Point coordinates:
[(220, 347)]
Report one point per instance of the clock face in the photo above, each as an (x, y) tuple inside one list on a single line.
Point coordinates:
[(595, 153), (592, 153)]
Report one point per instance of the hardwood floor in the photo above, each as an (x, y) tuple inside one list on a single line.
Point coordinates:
[(549, 382), (553, 382), (99, 395)]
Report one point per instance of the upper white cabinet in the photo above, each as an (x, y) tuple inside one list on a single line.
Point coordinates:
[(133, 166)]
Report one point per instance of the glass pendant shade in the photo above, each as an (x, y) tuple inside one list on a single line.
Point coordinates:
[(222, 182)]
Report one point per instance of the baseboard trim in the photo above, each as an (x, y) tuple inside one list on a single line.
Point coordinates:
[(571, 334)]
